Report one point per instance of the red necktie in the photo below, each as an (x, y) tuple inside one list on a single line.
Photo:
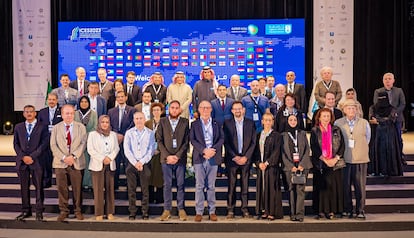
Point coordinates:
[(222, 104), (68, 137), (81, 88)]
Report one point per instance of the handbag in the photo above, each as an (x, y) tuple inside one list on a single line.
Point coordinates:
[(298, 178), (339, 164)]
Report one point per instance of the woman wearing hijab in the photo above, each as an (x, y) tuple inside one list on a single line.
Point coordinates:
[(387, 150), (267, 154), (295, 157), (351, 94), (327, 145), (89, 118), (103, 148), (289, 108)]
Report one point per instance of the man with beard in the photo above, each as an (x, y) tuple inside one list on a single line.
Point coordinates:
[(256, 105)]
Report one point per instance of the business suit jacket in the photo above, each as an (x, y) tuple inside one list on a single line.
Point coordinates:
[(136, 95), (72, 99), (240, 94), (127, 120), (107, 90), (199, 144), (112, 99), (272, 149), (300, 93), (161, 96), (43, 116), (218, 113), (34, 148), (100, 106), (60, 149), (74, 84), (320, 91), (230, 141), (164, 137), (397, 100), (138, 107), (303, 150)]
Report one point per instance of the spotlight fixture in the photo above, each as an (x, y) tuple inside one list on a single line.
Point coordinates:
[(8, 128)]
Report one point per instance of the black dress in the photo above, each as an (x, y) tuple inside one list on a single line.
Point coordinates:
[(268, 191)]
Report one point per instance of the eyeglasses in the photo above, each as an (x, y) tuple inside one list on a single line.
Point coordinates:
[(205, 108)]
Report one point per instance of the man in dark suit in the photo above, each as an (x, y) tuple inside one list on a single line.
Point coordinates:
[(134, 91), (206, 136), (80, 83), (239, 144), (30, 142), (235, 91), (48, 117), (98, 103), (121, 120), (221, 105), (297, 89), (397, 100), (172, 137), (157, 88)]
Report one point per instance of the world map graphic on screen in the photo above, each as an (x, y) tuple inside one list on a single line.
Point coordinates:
[(249, 48)]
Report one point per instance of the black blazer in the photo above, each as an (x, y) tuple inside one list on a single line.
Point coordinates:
[(127, 120), (199, 144), (74, 84), (338, 145), (272, 149), (34, 148), (112, 99), (303, 150), (165, 136), (161, 96), (135, 97), (300, 93), (281, 123), (230, 140), (43, 116)]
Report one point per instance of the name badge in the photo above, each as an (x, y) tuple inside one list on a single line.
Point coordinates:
[(255, 116), (50, 128), (351, 143), (156, 100), (296, 158), (174, 144)]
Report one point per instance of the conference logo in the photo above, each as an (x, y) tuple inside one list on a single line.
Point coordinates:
[(85, 33), (252, 29)]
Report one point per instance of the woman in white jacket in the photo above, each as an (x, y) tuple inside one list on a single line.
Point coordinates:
[(103, 148)]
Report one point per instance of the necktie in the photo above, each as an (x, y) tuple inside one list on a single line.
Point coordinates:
[(29, 130), (80, 88), (68, 137), (129, 89), (222, 104), (290, 88), (120, 117)]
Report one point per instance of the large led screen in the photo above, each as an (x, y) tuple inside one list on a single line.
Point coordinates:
[(250, 48)]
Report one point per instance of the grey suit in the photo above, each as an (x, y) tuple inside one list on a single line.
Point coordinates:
[(58, 145), (106, 89), (241, 93)]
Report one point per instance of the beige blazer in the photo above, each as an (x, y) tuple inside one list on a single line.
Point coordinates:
[(97, 145), (59, 147)]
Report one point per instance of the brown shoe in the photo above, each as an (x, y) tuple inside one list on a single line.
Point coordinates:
[(79, 216), (111, 217), (165, 215), (198, 218), (62, 217), (213, 217), (99, 218), (182, 215)]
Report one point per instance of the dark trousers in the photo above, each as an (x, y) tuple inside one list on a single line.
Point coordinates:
[(64, 177), (244, 184), (24, 176), (296, 196), (104, 200), (355, 174), (144, 176), (168, 170), (47, 168)]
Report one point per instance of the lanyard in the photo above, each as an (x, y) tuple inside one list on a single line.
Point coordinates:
[(156, 91), (295, 140), (101, 88), (327, 86)]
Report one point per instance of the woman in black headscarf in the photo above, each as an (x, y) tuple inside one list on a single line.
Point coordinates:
[(89, 118), (295, 156), (387, 150)]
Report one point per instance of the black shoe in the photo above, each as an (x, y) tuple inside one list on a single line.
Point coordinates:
[(39, 216), (145, 217), (47, 185), (131, 217), (23, 215)]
